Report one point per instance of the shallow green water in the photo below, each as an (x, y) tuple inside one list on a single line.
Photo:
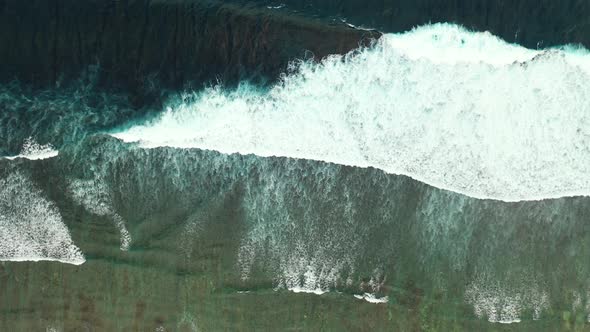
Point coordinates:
[(217, 241)]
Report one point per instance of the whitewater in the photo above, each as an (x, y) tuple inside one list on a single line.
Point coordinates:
[(459, 110), (34, 151), (31, 226)]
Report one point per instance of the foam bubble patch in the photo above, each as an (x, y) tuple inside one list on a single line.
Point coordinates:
[(34, 151), (31, 227), (95, 196)]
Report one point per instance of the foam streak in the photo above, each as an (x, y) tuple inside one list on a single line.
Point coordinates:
[(458, 110)]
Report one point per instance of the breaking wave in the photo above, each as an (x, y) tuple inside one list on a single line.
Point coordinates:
[(433, 104), (31, 227), (34, 151)]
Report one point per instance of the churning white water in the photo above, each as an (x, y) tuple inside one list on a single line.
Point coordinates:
[(34, 151), (459, 110), (31, 227)]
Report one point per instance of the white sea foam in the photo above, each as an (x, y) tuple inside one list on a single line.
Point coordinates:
[(31, 227), (301, 274), (371, 298), (357, 27), (316, 291), (34, 151), (459, 110), (501, 304), (95, 197), (578, 305)]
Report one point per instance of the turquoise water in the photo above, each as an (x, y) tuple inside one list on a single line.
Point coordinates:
[(279, 208)]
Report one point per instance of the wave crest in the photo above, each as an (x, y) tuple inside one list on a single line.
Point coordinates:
[(459, 110)]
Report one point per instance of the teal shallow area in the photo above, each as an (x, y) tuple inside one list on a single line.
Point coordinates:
[(218, 240)]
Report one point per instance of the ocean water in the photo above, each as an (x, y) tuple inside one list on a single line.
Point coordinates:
[(436, 180), (458, 110)]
